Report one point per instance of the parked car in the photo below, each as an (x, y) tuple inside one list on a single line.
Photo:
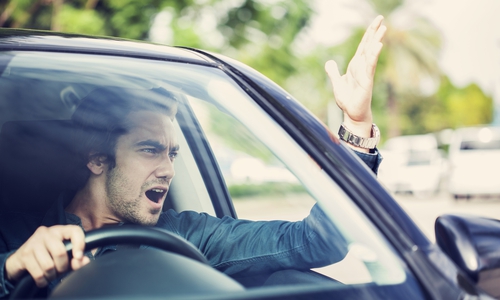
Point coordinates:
[(474, 159), (413, 164), (43, 78)]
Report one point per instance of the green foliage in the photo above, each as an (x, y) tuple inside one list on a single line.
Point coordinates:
[(450, 107), (268, 188), (262, 34), (262, 31), (386, 7), (421, 115), (80, 21), (236, 136), (465, 106)]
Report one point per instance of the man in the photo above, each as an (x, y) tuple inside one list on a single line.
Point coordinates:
[(128, 154)]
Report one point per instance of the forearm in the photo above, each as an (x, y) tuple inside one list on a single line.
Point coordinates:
[(255, 247)]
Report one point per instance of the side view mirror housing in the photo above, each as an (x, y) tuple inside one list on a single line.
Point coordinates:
[(473, 243)]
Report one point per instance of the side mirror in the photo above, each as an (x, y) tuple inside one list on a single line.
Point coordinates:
[(473, 243)]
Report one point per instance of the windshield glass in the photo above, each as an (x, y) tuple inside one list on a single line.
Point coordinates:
[(230, 153)]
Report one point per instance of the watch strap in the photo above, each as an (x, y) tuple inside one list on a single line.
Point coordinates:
[(367, 143)]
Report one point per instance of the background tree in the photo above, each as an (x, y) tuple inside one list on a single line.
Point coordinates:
[(261, 31), (410, 95), (407, 64)]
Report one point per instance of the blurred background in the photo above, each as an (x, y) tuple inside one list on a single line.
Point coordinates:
[(439, 71)]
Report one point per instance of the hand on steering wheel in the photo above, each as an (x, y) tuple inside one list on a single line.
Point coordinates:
[(127, 234)]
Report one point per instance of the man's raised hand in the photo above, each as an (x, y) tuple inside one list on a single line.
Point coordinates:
[(353, 90)]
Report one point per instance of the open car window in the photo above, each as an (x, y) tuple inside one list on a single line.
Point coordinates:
[(234, 159), (270, 177)]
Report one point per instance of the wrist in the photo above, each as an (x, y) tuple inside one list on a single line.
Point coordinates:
[(362, 129), (360, 142)]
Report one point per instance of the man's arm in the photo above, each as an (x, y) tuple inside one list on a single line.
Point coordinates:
[(353, 90)]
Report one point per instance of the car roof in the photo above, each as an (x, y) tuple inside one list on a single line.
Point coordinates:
[(37, 40)]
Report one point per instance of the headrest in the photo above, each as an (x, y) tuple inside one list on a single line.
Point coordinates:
[(37, 162)]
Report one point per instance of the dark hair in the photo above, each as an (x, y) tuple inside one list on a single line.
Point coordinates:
[(101, 118)]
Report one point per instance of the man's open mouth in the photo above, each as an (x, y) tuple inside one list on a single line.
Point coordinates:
[(155, 195)]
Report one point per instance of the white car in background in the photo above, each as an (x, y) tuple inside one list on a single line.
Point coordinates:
[(412, 164), (474, 162)]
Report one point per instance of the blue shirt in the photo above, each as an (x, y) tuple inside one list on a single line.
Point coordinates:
[(233, 246)]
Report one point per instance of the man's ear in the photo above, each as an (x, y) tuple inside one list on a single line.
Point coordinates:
[(96, 163)]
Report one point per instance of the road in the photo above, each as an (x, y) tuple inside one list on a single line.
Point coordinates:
[(425, 210)]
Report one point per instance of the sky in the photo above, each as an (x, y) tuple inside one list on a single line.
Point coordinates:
[(470, 33)]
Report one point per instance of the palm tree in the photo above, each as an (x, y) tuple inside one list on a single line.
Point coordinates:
[(411, 59)]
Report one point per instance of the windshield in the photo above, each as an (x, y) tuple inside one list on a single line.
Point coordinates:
[(233, 160)]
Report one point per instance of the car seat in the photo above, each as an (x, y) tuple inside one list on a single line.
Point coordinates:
[(37, 162)]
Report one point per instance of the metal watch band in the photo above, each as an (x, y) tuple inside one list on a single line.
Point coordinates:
[(367, 143)]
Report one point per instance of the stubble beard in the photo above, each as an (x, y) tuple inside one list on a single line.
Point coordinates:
[(125, 208)]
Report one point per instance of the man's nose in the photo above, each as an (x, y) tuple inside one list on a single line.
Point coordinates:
[(165, 169)]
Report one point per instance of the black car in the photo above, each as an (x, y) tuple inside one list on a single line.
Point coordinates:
[(239, 133)]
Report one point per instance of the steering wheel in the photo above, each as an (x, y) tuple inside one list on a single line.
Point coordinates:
[(126, 234)]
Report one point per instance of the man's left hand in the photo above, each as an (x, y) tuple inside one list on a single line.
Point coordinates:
[(353, 90)]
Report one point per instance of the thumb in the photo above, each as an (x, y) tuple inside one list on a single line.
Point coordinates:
[(332, 70)]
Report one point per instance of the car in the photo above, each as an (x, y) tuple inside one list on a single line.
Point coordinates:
[(474, 155), (413, 164), (222, 104)]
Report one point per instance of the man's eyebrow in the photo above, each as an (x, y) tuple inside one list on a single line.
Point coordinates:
[(157, 145), (151, 143)]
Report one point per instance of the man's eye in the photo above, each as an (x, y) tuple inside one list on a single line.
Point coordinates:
[(173, 155), (150, 150)]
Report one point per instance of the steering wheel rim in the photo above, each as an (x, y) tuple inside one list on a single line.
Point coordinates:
[(126, 234)]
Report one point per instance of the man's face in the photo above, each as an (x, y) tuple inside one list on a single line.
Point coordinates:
[(137, 186)]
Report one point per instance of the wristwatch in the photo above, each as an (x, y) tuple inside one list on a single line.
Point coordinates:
[(367, 143)]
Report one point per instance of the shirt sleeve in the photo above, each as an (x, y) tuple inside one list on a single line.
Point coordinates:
[(372, 160), (5, 286), (236, 246)]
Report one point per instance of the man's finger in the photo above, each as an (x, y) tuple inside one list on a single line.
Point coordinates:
[(78, 263), (77, 237), (45, 263), (373, 58), (33, 268), (57, 251), (369, 33), (333, 71), (379, 35)]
